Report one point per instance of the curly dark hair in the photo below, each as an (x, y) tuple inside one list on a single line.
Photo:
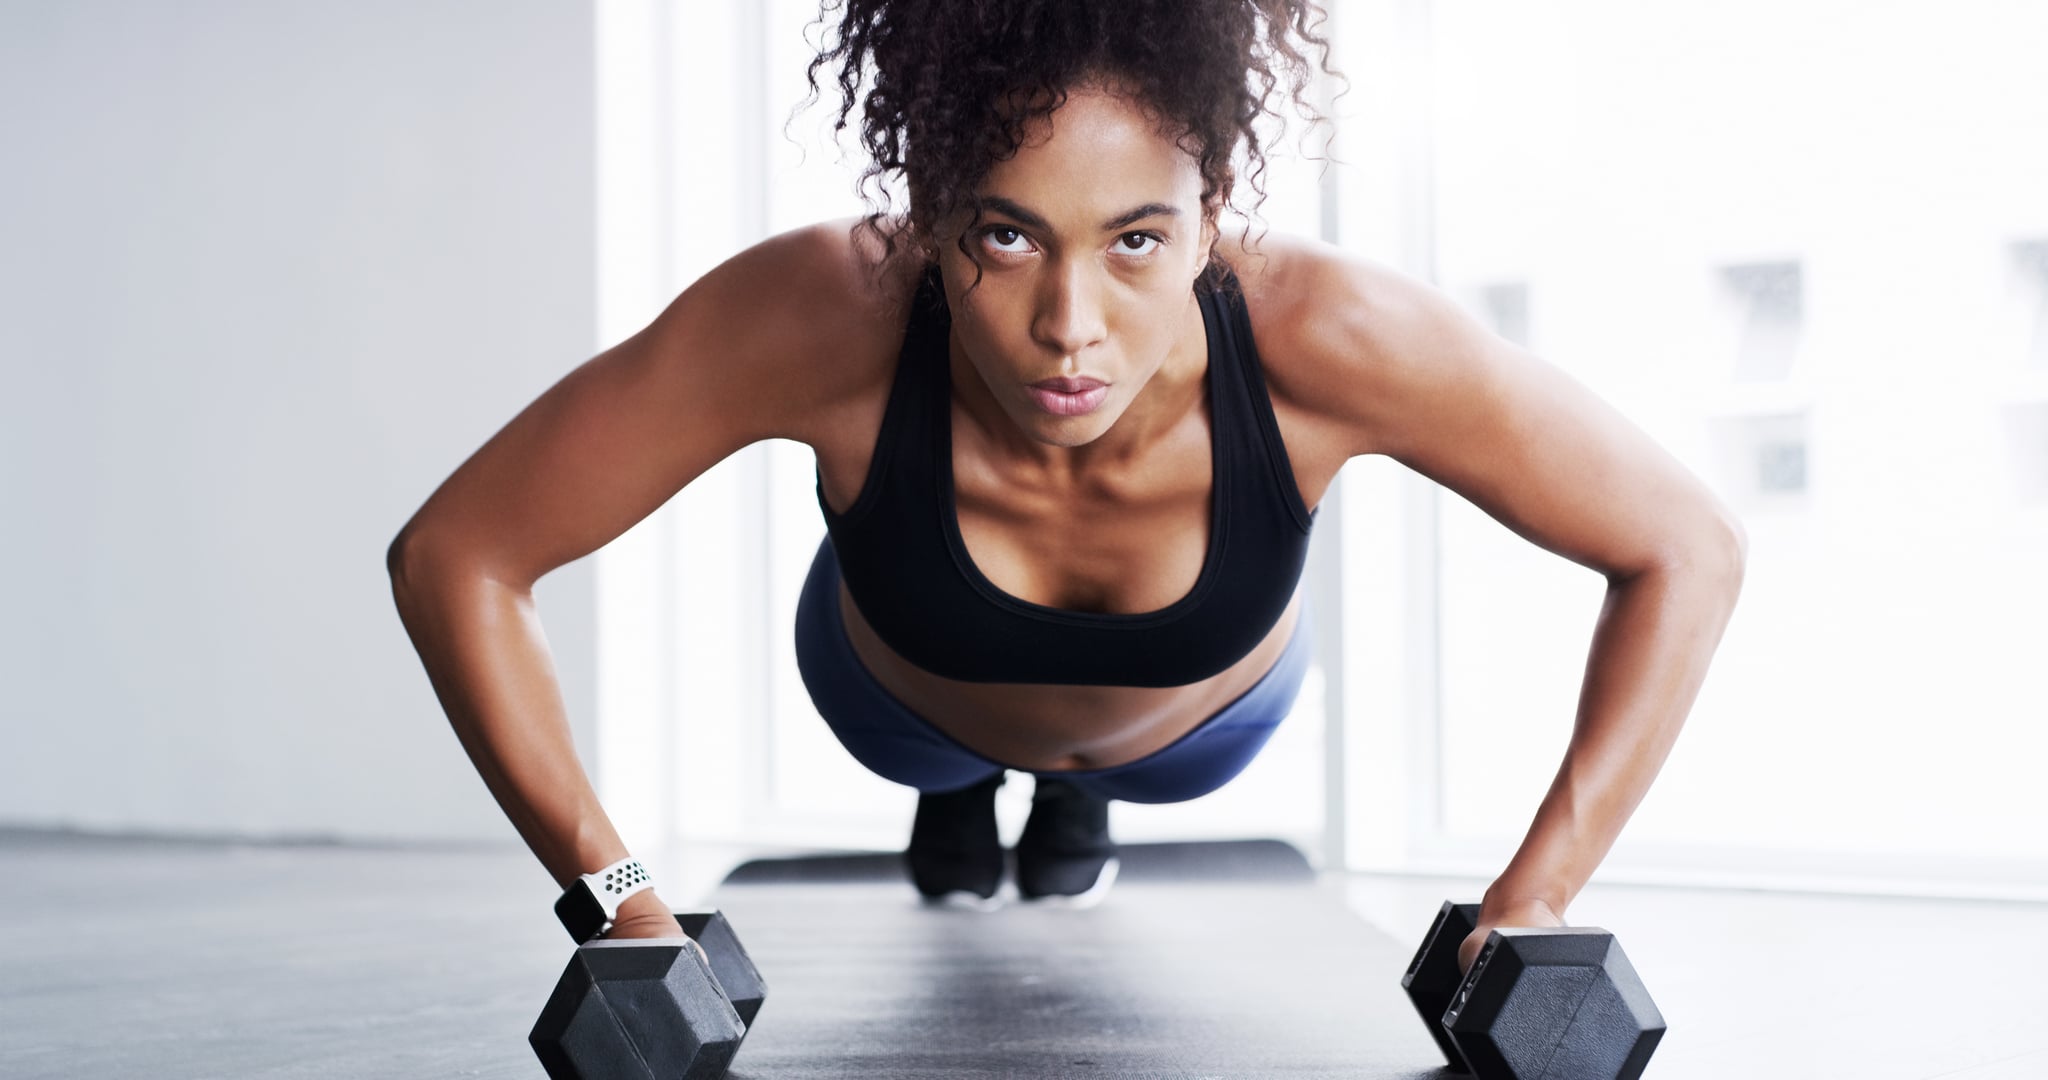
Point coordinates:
[(957, 82)]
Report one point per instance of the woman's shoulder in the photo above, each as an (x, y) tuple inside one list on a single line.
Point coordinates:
[(1329, 325), (854, 269), (841, 301), (1294, 286), (838, 275)]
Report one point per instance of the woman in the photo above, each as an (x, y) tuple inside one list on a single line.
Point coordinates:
[(1070, 440)]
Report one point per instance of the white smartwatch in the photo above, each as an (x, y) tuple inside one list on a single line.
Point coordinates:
[(591, 902)]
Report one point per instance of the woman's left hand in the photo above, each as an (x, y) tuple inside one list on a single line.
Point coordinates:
[(1510, 913)]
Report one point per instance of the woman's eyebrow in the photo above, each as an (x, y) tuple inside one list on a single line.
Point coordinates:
[(1140, 213)]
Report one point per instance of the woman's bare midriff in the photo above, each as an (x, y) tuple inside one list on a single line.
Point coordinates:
[(1047, 728)]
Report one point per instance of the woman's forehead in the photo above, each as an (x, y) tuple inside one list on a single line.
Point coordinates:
[(1098, 112), (1093, 159)]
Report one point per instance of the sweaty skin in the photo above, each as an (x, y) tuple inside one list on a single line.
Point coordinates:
[(796, 338)]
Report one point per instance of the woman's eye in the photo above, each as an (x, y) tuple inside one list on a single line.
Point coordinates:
[(1135, 243), (1003, 238)]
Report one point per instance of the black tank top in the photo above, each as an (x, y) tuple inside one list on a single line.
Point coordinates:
[(902, 558)]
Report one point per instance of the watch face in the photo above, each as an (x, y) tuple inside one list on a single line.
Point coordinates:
[(581, 912)]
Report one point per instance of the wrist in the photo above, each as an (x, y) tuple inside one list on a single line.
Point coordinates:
[(616, 892)]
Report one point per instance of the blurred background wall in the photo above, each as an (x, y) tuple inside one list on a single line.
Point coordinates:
[(268, 272)]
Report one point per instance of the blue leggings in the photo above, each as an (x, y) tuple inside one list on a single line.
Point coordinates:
[(897, 744)]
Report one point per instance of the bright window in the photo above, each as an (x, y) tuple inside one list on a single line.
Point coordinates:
[(1814, 274)]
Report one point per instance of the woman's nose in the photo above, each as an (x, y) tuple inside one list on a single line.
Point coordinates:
[(1070, 316)]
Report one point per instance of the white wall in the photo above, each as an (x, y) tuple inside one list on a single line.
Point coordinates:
[(270, 271)]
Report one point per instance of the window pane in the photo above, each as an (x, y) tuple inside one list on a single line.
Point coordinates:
[(1802, 246)]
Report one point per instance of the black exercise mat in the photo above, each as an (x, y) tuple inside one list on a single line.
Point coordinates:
[(1220, 860), (1171, 976)]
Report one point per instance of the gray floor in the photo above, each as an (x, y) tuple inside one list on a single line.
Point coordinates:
[(168, 959), (1757, 984)]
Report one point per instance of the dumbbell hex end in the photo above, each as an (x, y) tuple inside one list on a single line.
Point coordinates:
[(621, 1004), (1432, 978), (1575, 986)]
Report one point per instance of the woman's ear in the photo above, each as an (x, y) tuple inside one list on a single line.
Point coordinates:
[(1209, 234)]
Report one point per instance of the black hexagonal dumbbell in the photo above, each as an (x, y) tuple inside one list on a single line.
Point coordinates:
[(730, 964), (1539, 1004), (649, 1008)]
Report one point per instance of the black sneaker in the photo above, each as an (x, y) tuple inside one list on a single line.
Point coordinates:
[(955, 855), (1065, 855)]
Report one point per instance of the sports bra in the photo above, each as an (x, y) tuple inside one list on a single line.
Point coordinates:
[(906, 566)]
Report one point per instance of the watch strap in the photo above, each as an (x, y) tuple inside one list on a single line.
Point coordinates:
[(591, 902)]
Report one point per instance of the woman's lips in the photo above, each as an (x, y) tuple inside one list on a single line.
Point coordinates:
[(1075, 404), (1070, 384)]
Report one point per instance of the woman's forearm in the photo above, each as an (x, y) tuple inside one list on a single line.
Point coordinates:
[(1656, 634), (485, 653)]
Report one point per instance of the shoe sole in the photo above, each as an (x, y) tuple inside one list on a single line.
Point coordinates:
[(962, 900), (1081, 900)]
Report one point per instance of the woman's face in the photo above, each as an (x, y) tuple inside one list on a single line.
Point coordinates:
[(1090, 243)]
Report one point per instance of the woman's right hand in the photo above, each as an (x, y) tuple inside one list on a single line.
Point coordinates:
[(644, 926), (654, 921)]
